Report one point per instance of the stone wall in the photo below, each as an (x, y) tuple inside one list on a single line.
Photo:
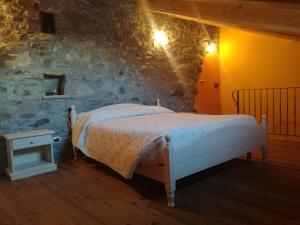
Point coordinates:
[(106, 51)]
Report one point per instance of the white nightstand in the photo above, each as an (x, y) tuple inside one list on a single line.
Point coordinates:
[(29, 153)]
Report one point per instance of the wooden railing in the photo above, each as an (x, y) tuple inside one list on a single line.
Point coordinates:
[(281, 105)]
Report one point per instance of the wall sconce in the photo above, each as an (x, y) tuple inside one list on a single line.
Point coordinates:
[(160, 38), (209, 47)]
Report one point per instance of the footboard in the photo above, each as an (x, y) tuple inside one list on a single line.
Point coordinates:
[(216, 147), (213, 148)]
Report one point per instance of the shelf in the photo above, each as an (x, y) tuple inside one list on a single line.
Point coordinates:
[(54, 84), (51, 97), (31, 169), (31, 165)]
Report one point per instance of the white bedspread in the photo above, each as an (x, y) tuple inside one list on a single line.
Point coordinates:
[(120, 141)]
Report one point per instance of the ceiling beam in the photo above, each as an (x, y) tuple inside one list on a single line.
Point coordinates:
[(282, 17)]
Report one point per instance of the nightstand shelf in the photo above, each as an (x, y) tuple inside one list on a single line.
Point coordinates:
[(32, 165), (29, 153)]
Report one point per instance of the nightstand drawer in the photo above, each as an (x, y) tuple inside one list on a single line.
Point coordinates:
[(31, 142)]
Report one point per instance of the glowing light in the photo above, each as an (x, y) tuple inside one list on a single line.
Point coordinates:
[(209, 47), (160, 38)]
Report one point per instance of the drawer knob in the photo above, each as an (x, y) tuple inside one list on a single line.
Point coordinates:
[(31, 142)]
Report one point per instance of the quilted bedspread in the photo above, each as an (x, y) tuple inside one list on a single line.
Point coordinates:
[(119, 136)]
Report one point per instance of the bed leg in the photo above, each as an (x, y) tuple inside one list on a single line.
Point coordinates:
[(171, 199), (249, 156), (264, 154), (75, 153), (170, 190)]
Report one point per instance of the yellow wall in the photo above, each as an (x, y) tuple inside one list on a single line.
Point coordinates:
[(207, 100), (251, 60)]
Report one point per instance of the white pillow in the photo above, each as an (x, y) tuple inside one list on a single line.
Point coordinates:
[(128, 109)]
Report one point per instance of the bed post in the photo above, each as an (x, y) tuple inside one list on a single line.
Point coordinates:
[(72, 116), (170, 182), (264, 148), (157, 103), (72, 122)]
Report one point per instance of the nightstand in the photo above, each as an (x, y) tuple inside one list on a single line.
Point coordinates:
[(29, 153)]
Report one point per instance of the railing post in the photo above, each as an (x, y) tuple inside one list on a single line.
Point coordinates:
[(236, 100)]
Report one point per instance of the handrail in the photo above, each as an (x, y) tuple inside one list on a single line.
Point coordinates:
[(281, 105)]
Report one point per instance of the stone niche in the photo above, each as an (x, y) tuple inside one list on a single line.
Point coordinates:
[(54, 86)]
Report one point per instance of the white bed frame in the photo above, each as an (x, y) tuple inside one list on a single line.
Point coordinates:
[(215, 147)]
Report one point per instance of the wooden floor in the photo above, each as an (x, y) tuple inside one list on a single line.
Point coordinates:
[(283, 151), (84, 192)]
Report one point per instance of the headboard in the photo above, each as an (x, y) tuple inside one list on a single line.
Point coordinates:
[(72, 115)]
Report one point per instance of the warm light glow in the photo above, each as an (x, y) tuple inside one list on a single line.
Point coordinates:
[(160, 38), (209, 47)]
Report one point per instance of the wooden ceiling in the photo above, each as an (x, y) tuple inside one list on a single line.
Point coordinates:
[(281, 17)]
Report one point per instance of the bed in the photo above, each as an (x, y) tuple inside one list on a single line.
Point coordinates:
[(163, 145)]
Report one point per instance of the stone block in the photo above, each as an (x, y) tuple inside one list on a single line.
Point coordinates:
[(83, 89)]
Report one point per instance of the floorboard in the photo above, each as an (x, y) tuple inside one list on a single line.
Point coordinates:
[(283, 151), (85, 192)]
